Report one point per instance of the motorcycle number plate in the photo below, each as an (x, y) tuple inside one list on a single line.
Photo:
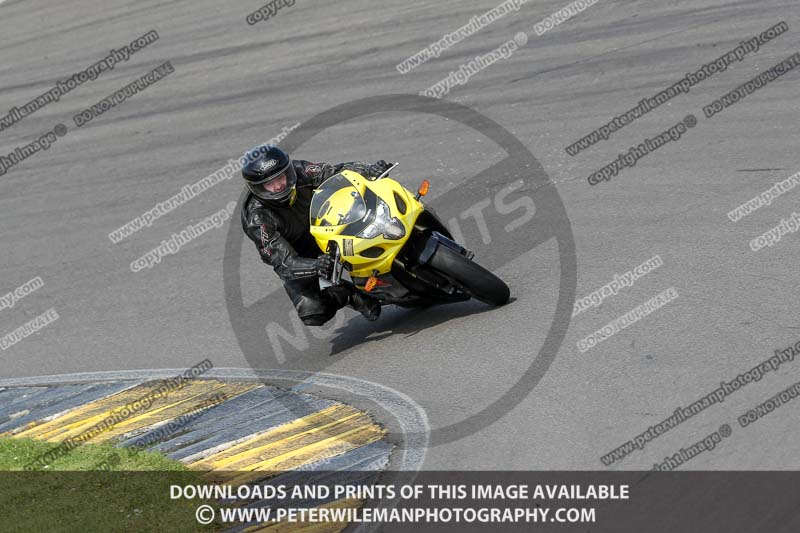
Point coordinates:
[(347, 246)]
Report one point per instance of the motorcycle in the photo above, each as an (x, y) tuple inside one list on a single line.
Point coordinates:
[(393, 247)]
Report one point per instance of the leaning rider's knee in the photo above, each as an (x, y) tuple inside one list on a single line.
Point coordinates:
[(314, 320)]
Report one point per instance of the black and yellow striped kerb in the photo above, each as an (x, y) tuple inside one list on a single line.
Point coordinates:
[(238, 432)]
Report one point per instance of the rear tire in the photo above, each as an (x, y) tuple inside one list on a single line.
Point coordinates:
[(481, 284)]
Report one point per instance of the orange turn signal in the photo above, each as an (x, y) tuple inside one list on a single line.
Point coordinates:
[(372, 281), (423, 188)]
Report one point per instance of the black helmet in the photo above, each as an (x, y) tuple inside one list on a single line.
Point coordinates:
[(270, 175)]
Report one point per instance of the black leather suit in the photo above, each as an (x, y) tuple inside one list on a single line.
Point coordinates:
[(284, 242)]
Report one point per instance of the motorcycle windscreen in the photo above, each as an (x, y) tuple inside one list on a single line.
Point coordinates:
[(336, 202)]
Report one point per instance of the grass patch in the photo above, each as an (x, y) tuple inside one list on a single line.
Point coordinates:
[(16, 453), (95, 487)]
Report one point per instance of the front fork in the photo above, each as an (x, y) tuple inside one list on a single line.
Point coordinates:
[(338, 266), (436, 239)]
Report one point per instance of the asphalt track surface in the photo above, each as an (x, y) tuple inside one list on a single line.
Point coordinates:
[(236, 85)]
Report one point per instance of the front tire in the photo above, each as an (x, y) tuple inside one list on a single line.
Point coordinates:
[(479, 282)]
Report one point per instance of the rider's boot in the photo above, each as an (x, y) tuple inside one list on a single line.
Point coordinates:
[(366, 305)]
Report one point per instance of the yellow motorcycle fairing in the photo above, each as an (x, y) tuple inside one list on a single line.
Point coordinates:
[(348, 209)]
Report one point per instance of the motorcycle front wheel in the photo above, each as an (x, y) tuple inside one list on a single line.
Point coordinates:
[(479, 282)]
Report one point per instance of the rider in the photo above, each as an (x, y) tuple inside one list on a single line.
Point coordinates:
[(275, 217)]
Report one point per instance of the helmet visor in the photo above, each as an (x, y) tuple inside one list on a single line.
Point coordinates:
[(278, 186)]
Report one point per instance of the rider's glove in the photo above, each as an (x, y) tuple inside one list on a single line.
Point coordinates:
[(325, 265), (379, 167)]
